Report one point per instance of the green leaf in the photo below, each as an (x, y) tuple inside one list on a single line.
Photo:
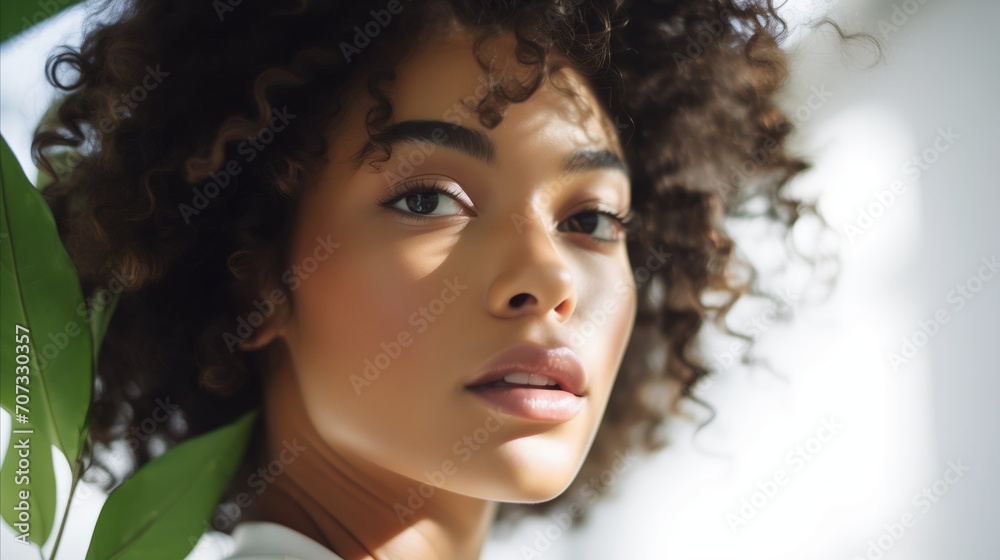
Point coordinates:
[(100, 317), (40, 485), (161, 511), (40, 292), (18, 15)]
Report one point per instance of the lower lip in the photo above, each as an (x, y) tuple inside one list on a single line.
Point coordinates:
[(547, 405)]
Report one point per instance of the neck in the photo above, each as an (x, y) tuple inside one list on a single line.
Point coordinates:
[(355, 508)]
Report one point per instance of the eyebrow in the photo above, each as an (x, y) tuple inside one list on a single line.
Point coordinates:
[(478, 145)]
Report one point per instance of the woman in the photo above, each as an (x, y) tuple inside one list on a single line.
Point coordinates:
[(458, 252)]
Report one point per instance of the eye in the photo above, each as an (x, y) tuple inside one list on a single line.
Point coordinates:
[(602, 225), (427, 198)]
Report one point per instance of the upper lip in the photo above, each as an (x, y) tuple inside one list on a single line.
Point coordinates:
[(561, 364)]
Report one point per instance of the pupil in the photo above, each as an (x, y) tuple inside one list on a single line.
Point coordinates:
[(587, 223), (422, 202)]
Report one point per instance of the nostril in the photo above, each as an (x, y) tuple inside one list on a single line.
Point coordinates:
[(519, 300)]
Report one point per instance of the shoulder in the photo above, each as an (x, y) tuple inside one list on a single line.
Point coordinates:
[(264, 540)]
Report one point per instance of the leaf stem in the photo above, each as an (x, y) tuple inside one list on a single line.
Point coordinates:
[(62, 524)]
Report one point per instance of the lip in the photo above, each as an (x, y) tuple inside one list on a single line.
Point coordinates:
[(560, 364)]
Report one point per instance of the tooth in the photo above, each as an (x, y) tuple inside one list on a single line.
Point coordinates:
[(536, 379), (517, 378)]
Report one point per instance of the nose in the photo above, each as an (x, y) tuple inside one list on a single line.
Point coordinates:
[(533, 279)]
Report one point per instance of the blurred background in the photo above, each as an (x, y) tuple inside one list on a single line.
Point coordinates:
[(873, 433)]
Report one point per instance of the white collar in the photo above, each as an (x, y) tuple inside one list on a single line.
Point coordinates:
[(265, 540)]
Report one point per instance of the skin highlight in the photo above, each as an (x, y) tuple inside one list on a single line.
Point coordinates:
[(512, 275), (254, 164)]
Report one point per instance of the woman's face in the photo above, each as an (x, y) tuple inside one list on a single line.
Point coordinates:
[(401, 300)]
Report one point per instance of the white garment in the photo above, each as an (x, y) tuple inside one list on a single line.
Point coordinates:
[(264, 540)]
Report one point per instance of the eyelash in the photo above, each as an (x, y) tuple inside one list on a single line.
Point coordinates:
[(625, 221), (398, 193)]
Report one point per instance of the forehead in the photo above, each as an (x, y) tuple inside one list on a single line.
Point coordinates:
[(443, 80)]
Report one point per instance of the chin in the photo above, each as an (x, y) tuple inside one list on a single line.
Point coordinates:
[(535, 493), (517, 491), (523, 474)]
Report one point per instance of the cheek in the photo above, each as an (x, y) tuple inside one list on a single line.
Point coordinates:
[(347, 316), (368, 331), (605, 319), (351, 303)]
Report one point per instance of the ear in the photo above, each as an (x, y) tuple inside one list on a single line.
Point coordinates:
[(270, 329), (266, 307)]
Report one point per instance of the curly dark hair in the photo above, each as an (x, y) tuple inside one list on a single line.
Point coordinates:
[(160, 97)]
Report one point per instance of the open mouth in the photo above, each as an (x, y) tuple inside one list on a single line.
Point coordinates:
[(546, 384), (523, 380), (531, 396)]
